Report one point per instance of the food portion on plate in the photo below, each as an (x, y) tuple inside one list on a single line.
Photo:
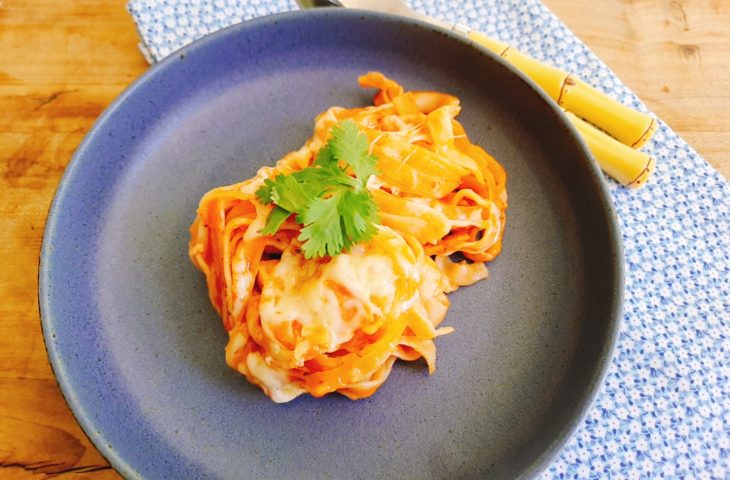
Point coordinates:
[(336, 262)]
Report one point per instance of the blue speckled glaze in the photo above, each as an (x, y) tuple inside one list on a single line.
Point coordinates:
[(138, 350)]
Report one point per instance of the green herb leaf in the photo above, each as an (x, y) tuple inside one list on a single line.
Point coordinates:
[(322, 234), (324, 157), (335, 208), (273, 222), (359, 214), (290, 194), (264, 191), (321, 180), (351, 146)]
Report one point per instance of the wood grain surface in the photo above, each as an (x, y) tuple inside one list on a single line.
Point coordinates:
[(62, 62)]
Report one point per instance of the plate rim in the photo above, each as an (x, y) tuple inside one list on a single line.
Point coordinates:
[(599, 182)]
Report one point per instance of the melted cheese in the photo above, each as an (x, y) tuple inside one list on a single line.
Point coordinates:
[(275, 382), (242, 282), (316, 306)]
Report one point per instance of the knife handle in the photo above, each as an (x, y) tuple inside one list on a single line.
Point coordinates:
[(630, 127), (630, 167)]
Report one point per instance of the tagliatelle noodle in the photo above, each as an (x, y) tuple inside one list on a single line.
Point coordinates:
[(338, 324)]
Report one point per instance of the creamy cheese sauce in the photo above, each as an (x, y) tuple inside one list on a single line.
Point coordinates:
[(328, 301), (275, 382), (242, 282)]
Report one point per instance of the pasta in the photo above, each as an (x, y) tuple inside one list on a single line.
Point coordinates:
[(338, 324)]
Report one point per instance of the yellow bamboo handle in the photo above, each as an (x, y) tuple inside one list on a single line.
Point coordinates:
[(630, 167), (630, 127)]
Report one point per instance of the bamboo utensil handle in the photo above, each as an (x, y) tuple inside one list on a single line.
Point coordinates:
[(630, 127), (630, 167)]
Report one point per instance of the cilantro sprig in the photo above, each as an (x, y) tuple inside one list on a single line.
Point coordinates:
[(330, 198)]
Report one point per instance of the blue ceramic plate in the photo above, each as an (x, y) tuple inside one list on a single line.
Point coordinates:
[(138, 350)]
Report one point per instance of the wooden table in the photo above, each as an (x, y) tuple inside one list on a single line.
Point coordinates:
[(62, 62)]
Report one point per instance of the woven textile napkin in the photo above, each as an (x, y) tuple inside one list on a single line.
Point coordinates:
[(664, 409)]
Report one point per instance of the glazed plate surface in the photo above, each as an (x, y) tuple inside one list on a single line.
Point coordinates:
[(139, 351)]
